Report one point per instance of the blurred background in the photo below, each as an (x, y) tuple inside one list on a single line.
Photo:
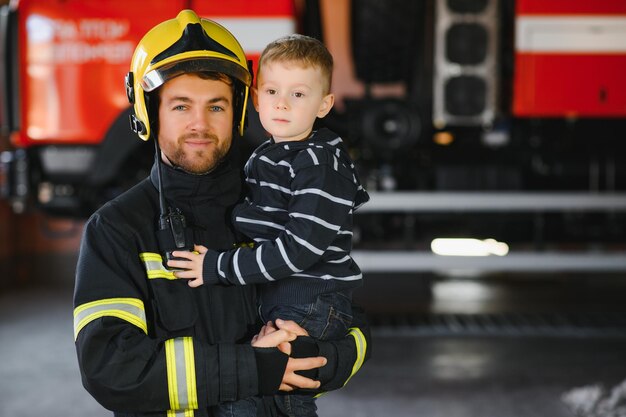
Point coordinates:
[(491, 135)]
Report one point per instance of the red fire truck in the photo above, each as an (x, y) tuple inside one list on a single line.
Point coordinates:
[(501, 119), (62, 98)]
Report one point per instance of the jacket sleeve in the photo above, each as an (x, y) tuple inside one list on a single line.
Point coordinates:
[(345, 356), (124, 365), (321, 201)]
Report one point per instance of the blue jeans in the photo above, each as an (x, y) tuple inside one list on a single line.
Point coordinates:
[(328, 318)]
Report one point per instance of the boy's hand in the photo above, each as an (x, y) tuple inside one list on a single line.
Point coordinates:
[(268, 328), (192, 267)]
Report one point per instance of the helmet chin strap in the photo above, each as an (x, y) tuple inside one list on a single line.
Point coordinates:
[(157, 159)]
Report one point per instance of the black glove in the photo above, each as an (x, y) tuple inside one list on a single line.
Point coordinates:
[(271, 364), (306, 347)]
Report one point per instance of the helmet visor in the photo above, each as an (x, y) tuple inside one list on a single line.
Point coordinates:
[(157, 77)]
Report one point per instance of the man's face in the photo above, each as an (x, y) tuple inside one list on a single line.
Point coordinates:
[(195, 122)]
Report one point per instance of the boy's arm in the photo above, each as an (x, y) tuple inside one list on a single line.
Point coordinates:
[(319, 207)]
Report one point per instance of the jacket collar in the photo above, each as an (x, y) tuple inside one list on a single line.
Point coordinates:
[(182, 188)]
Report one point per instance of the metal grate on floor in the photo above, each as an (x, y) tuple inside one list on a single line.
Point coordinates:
[(513, 324)]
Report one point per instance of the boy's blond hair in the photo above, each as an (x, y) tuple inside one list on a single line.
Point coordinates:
[(301, 50)]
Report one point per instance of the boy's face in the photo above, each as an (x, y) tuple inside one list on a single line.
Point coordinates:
[(195, 122), (289, 98)]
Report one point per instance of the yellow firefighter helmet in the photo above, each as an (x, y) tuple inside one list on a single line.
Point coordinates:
[(185, 44)]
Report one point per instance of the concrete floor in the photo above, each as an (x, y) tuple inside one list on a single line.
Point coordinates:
[(409, 375)]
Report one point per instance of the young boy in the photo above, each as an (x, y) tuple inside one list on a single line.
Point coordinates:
[(303, 190)]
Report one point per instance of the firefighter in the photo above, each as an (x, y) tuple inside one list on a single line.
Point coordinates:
[(146, 342)]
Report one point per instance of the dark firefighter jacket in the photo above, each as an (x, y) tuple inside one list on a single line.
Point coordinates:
[(148, 344)]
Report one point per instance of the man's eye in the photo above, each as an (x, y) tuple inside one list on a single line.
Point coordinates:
[(217, 109), (179, 107)]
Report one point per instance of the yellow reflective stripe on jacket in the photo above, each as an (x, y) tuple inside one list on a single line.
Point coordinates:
[(154, 266), (129, 309), (361, 348), (181, 373)]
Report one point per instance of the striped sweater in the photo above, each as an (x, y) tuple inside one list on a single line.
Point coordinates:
[(299, 207)]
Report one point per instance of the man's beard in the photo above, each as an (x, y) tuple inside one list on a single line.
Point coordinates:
[(205, 160)]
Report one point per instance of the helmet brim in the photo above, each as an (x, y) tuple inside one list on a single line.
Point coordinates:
[(157, 77)]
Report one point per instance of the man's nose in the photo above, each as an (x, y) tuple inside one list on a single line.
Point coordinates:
[(200, 120)]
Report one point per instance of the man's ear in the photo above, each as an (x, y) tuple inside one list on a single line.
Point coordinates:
[(255, 97), (326, 105)]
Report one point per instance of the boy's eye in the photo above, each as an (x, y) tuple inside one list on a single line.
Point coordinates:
[(271, 91), (298, 94)]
